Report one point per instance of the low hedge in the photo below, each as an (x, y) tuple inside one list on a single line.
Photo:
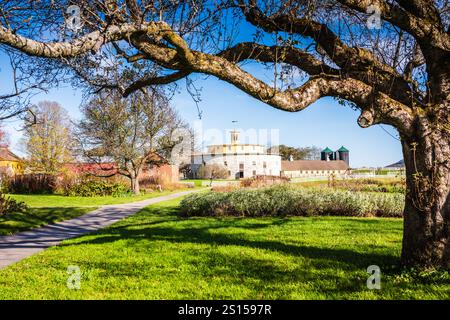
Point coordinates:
[(289, 201), (94, 188)]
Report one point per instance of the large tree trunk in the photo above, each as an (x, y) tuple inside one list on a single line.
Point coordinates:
[(135, 185), (427, 211)]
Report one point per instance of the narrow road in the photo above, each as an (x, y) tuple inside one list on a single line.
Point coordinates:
[(24, 244)]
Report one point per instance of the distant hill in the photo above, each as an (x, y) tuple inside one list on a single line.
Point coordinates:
[(398, 164)]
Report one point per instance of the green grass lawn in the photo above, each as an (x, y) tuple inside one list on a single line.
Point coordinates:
[(36, 217), (50, 200), (46, 209), (157, 255)]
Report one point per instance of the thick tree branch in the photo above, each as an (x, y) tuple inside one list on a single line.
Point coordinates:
[(423, 30), (90, 42), (357, 62), (290, 55), (152, 80)]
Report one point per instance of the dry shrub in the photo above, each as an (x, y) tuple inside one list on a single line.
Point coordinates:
[(263, 181), (9, 205), (160, 183), (225, 188), (212, 171), (34, 183)]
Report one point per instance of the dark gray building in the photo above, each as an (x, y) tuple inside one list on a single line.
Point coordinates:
[(341, 154)]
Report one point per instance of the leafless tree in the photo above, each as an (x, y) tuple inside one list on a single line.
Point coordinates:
[(131, 132), (396, 72), (15, 101)]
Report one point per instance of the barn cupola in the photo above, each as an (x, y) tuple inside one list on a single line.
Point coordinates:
[(234, 137)]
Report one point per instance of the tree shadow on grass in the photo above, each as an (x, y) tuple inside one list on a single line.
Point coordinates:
[(36, 217), (187, 231), (222, 276), (318, 271)]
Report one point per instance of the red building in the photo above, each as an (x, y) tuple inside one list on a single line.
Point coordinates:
[(165, 171)]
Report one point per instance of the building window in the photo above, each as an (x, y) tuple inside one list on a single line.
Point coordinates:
[(264, 165), (229, 148), (254, 163), (254, 172), (241, 166), (225, 163)]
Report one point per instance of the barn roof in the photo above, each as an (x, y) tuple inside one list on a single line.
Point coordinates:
[(313, 165), (343, 149), (6, 154)]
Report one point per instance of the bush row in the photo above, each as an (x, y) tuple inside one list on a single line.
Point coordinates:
[(96, 188), (66, 184), (285, 201)]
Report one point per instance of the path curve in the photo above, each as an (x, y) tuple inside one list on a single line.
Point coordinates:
[(24, 244)]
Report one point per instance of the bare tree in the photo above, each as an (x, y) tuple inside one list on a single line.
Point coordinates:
[(132, 132), (395, 69), (16, 101)]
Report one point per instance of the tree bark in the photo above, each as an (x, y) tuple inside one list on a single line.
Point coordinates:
[(135, 185), (427, 209)]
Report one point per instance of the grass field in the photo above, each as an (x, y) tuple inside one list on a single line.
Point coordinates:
[(157, 255), (46, 209), (50, 200)]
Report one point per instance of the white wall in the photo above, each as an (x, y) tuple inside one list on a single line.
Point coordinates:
[(252, 163), (310, 173)]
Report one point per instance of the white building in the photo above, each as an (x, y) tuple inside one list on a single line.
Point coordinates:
[(241, 160)]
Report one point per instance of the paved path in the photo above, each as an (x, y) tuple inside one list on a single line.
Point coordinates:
[(21, 245)]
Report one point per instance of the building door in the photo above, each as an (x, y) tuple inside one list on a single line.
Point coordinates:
[(241, 170)]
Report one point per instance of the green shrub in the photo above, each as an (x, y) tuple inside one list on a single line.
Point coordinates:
[(285, 200), (9, 205), (95, 188)]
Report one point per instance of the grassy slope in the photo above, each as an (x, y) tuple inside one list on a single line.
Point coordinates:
[(34, 200), (47, 209), (156, 255)]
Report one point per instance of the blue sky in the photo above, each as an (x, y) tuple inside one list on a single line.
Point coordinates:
[(325, 123)]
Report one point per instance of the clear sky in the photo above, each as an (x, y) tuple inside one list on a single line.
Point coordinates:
[(325, 123)]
